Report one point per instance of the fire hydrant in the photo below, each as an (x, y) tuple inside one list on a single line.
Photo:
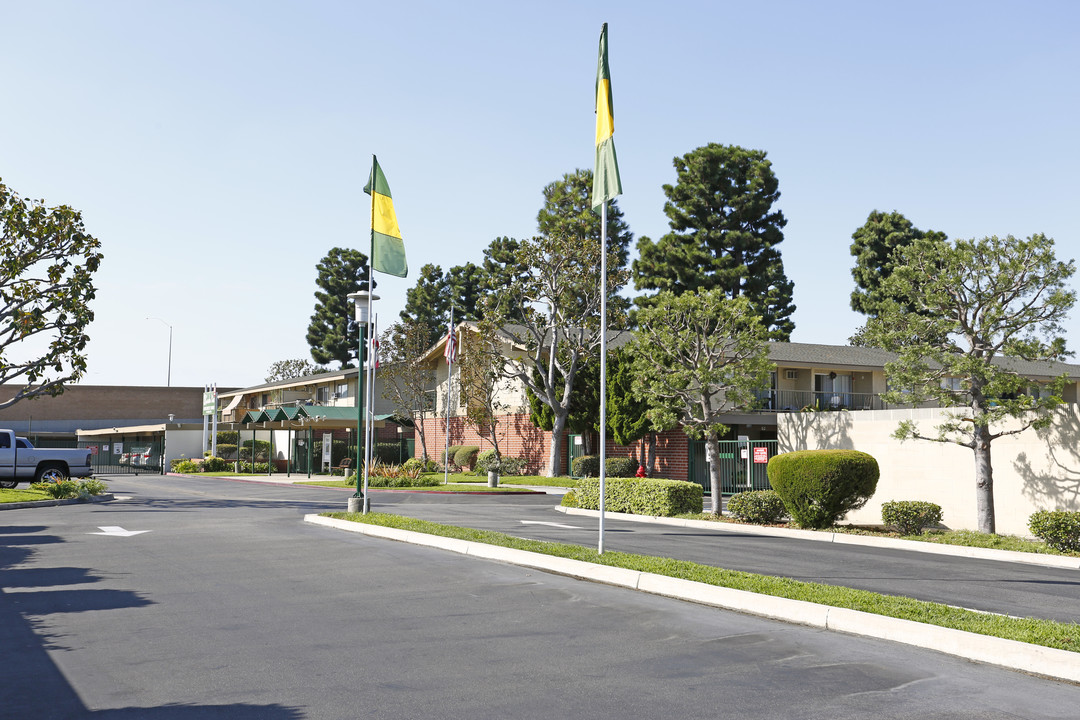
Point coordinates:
[(641, 471)]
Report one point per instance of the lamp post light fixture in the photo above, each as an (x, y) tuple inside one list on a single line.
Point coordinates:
[(168, 381), (359, 502)]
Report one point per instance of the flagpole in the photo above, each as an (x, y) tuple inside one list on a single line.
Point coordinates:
[(372, 360), (449, 378), (360, 406), (603, 368)]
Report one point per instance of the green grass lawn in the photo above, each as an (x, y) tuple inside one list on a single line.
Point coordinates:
[(22, 494), (1065, 636)]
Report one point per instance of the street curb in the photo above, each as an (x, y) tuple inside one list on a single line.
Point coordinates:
[(975, 553), (49, 503), (1011, 654)]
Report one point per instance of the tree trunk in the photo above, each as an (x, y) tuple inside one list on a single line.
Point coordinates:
[(712, 456), (419, 430), (650, 468), (984, 482), (558, 425)]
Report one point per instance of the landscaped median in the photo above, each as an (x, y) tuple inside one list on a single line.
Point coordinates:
[(1041, 647)]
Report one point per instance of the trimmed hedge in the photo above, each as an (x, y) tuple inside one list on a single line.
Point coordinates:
[(819, 487), (507, 465), (466, 456), (620, 467), (639, 496), (448, 455), (403, 481), (757, 506), (1060, 529), (585, 466), (418, 464), (910, 517)]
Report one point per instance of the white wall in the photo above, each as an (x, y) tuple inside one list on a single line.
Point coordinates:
[(1032, 470), (185, 444)]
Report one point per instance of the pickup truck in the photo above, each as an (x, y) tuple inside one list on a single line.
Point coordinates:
[(22, 462)]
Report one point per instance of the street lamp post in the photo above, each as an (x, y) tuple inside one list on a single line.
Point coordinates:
[(168, 381), (359, 502)]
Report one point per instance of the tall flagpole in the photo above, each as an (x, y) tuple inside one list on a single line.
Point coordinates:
[(603, 368), (449, 378), (363, 350)]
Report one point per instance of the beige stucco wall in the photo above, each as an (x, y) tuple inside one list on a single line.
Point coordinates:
[(1032, 470)]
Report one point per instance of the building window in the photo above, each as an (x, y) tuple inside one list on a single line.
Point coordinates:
[(341, 390), (322, 395)]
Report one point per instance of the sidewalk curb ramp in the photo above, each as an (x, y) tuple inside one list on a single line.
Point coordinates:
[(1011, 654)]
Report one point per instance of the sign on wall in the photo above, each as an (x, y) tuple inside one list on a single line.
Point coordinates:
[(327, 445)]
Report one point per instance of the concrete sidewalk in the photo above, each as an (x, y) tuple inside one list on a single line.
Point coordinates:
[(1035, 659)]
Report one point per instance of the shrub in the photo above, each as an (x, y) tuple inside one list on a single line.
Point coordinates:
[(259, 468), (910, 517), (419, 465), (93, 486), (757, 506), (404, 481), (569, 499), (640, 496), (186, 467), (448, 455), (507, 465), (466, 456), (819, 487), (216, 464), (390, 452), (262, 450), (59, 489), (227, 450), (586, 466), (1060, 529), (619, 467)]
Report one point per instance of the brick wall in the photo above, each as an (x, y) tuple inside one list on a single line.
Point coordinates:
[(672, 454), (518, 438)]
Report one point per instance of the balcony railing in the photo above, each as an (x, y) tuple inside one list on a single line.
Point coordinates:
[(799, 400)]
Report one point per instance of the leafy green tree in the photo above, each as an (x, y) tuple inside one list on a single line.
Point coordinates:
[(979, 306), (697, 357), (628, 412), (556, 306), (428, 302), (502, 268), (408, 381), (484, 385), (724, 234), (568, 212), (874, 246), (341, 272), (293, 368), (583, 417), (47, 264)]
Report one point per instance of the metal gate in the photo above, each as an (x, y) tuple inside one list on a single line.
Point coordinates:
[(742, 465), (124, 456)]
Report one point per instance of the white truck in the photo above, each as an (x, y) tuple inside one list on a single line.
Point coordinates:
[(22, 462)]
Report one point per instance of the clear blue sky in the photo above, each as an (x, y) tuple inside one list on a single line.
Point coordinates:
[(219, 149)]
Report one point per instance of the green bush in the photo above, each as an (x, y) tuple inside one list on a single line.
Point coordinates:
[(910, 517), (391, 452), (448, 455), (507, 465), (93, 486), (1060, 529), (586, 466), (619, 467), (404, 481), (418, 465), (59, 489), (227, 450), (185, 467), (259, 468), (757, 506), (216, 464), (640, 496), (262, 450), (819, 487), (227, 437), (569, 499), (466, 456)]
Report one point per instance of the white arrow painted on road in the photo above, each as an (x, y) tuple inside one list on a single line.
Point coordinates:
[(117, 531), (552, 524)]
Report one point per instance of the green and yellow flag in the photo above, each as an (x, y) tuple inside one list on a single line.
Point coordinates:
[(606, 182), (387, 247)]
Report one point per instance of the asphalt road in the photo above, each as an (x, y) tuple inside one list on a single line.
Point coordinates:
[(228, 605), (990, 586)]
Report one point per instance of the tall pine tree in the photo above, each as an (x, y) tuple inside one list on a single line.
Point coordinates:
[(724, 234), (340, 272)]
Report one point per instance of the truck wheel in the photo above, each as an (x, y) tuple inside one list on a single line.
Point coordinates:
[(51, 473), (9, 484)]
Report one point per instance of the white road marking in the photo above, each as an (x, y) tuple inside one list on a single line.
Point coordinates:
[(117, 531), (552, 524)]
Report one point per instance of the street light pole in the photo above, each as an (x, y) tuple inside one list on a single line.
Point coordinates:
[(168, 381), (359, 502)]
